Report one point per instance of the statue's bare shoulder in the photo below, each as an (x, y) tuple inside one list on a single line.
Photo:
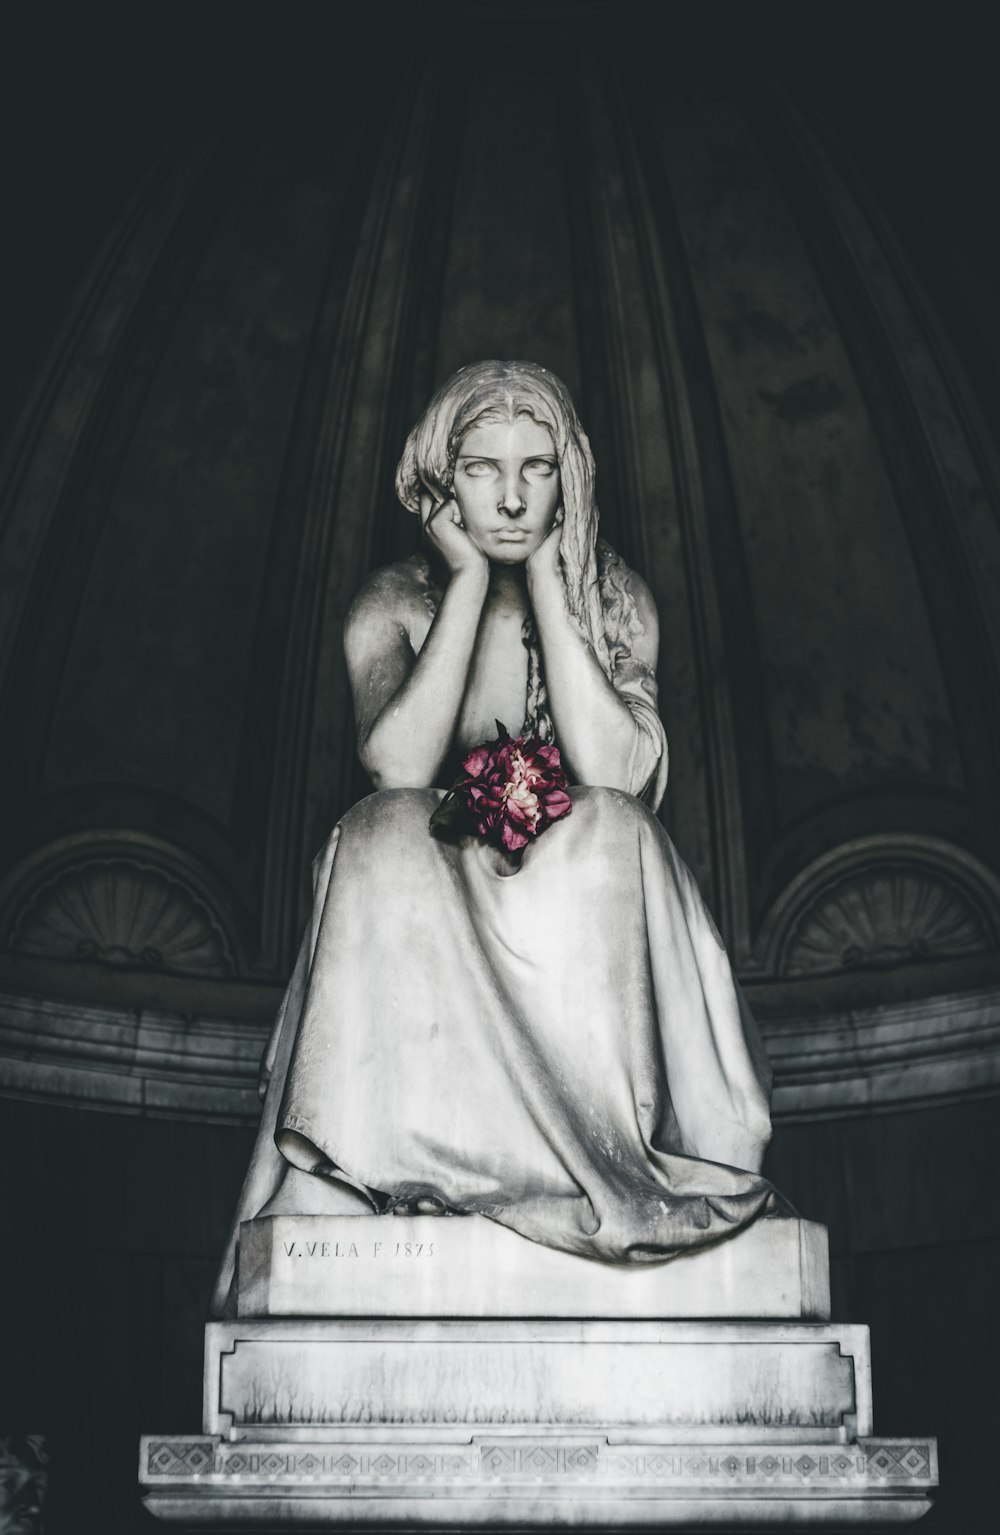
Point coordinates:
[(385, 627), (394, 601)]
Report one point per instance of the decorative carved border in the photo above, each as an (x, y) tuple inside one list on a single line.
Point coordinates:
[(867, 1462)]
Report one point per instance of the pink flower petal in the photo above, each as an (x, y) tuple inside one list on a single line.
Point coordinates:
[(512, 839), (477, 762)]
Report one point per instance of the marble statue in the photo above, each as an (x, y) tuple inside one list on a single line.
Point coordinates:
[(554, 1038), (519, 1018)]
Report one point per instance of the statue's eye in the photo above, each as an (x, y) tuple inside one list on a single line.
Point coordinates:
[(542, 467), (477, 466)]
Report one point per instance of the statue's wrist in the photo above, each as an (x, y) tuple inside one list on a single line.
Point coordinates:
[(471, 578), (545, 583)]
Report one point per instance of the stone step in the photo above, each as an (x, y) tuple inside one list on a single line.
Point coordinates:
[(535, 1482), (699, 1382)]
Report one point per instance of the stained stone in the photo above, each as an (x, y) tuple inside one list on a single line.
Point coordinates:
[(536, 1424), (689, 1382)]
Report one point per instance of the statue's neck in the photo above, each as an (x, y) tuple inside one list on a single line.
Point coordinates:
[(508, 590)]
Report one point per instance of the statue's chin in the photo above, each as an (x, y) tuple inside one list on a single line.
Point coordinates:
[(516, 554)]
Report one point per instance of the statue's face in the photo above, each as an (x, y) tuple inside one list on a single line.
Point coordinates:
[(507, 487)]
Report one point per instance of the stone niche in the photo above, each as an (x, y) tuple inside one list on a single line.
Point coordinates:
[(444, 1373)]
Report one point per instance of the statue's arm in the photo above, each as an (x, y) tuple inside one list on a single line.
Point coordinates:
[(605, 743), (407, 702)]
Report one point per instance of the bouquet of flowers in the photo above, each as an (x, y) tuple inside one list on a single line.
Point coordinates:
[(510, 791)]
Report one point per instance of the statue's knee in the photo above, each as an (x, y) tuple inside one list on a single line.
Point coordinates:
[(612, 808), (390, 812)]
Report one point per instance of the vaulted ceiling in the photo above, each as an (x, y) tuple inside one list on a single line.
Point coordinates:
[(788, 446)]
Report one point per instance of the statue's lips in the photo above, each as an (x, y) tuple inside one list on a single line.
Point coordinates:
[(511, 535)]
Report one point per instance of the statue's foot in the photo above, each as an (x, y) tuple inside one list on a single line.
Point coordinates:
[(427, 1204)]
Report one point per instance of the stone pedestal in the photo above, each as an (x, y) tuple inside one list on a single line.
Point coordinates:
[(471, 1378), (519, 1483), (296, 1265), (697, 1382)]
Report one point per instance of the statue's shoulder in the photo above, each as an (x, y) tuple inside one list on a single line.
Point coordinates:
[(401, 593)]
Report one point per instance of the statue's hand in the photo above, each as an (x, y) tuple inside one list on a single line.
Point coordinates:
[(442, 526), (543, 564)]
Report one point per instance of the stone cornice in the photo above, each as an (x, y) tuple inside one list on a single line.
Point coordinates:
[(179, 1065)]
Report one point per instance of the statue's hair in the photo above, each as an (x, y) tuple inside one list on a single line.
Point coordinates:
[(503, 391)]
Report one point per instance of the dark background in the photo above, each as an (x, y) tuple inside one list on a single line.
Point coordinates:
[(306, 217)]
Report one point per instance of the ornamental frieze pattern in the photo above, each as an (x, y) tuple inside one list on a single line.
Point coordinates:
[(894, 1461)]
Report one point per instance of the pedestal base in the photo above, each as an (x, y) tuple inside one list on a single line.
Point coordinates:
[(697, 1382), (537, 1483), (536, 1424)]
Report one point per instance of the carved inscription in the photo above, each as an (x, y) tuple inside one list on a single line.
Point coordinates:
[(402, 1250)]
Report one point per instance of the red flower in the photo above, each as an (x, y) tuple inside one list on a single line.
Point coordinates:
[(512, 791)]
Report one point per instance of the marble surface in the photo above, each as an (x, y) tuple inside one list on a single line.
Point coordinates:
[(693, 1382), (426, 1266), (531, 1425), (534, 1482)]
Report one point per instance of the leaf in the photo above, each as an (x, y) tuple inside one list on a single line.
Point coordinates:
[(451, 819)]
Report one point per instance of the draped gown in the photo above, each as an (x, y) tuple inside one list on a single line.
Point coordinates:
[(559, 1045)]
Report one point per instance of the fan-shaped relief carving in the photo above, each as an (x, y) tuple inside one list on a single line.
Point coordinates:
[(121, 910), (881, 919), (880, 903)]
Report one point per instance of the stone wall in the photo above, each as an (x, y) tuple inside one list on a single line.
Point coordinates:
[(789, 448)]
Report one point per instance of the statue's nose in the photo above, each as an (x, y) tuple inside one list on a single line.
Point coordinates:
[(512, 502)]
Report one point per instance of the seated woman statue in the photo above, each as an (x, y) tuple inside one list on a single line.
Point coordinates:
[(554, 1038)]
